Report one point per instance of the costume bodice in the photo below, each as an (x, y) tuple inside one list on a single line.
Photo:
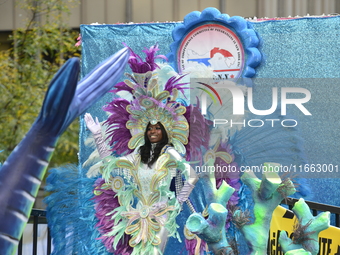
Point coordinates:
[(145, 174)]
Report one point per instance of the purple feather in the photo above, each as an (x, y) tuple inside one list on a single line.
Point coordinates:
[(199, 134), (232, 178), (150, 56), (105, 203), (118, 134), (137, 64), (121, 86), (190, 246), (172, 83)]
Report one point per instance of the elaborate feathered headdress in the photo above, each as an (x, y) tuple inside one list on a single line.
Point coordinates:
[(151, 103)]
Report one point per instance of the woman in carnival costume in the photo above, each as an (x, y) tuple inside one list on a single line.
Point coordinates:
[(135, 207), (135, 199)]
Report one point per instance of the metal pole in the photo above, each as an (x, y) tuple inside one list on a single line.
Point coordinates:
[(35, 234), (49, 241), (222, 6), (20, 246), (128, 11)]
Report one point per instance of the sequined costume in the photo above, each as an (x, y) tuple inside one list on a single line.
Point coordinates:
[(146, 208)]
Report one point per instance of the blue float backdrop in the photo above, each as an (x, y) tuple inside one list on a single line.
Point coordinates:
[(299, 52), (305, 48)]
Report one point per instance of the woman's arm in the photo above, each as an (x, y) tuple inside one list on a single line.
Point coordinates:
[(189, 171), (189, 185), (96, 130), (108, 161)]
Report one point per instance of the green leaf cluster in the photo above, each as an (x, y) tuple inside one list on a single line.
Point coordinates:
[(38, 51)]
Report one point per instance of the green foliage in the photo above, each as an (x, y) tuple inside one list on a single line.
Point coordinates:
[(26, 69)]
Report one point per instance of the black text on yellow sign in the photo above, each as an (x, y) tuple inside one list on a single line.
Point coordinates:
[(283, 220)]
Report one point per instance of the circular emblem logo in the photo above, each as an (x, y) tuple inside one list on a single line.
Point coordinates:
[(212, 45)]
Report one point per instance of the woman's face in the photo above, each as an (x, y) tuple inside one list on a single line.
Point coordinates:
[(154, 133)]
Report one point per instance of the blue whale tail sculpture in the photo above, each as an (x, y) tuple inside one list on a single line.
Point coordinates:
[(23, 171)]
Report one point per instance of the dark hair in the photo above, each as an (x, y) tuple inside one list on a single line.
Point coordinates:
[(145, 149)]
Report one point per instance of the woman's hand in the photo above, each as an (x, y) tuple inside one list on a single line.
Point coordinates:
[(96, 130), (93, 126)]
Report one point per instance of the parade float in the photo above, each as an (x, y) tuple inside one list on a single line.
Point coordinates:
[(251, 92)]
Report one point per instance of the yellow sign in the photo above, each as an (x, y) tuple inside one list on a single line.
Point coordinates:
[(283, 220)]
